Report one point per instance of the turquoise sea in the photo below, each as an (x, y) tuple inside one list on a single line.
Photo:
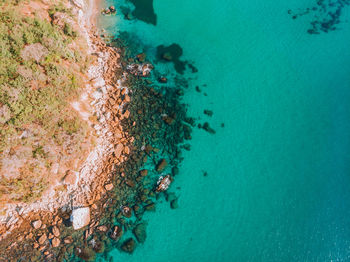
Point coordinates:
[(278, 183)]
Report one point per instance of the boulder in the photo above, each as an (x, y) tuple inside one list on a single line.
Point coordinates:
[(87, 254), (102, 228), (112, 9), (109, 187), (80, 217), (163, 79), (141, 57), (128, 245), (150, 207), (161, 165), (167, 56), (144, 172), (56, 242), (116, 233), (68, 240), (37, 224), (119, 150), (42, 239), (140, 232), (55, 231)]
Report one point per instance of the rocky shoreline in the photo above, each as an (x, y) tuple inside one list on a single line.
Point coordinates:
[(143, 127)]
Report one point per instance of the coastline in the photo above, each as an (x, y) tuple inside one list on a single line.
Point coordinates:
[(141, 125), (85, 189)]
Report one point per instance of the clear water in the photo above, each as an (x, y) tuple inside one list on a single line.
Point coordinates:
[(278, 184)]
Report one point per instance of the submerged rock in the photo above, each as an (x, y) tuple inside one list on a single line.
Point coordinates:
[(116, 233), (140, 232), (56, 242), (162, 164), (87, 254), (128, 245)]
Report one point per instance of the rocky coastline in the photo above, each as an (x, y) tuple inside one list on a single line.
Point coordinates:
[(142, 128)]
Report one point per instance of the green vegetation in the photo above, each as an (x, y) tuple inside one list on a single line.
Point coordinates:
[(36, 85)]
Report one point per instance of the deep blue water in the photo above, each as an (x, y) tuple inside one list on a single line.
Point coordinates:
[(278, 183)]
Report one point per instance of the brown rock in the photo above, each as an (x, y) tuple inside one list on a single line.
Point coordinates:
[(127, 150), (117, 233), (119, 150), (37, 224), (129, 245), (109, 187), (141, 57), (42, 239), (55, 231), (161, 165), (130, 183), (150, 207), (68, 240), (56, 242), (167, 56), (102, 228), (144, 172), (168, 120), (163, 79)]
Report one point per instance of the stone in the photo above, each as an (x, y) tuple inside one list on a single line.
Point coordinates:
[(127, 212), (99, 247), (128, 245), (68, 240), (116, 233), (55, 231), (119, 150), (56, 242), (140, 232), (161, 165), (37, 224), (130, 183), (208, 112), (163, 80), (167, 56), (42, 239), (207, 128), (168, 120), (150, 207), (109, 187), (141, 57), (144, 172), (87, 254), (112, 9), (80, 217), (102, 228)]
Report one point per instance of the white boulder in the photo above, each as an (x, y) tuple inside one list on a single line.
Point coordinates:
[(80, 217)]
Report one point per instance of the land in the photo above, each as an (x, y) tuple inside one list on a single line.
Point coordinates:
[(134, 128), (57, 128)]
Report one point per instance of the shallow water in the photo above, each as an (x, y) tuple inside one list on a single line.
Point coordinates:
[(278, 183)]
